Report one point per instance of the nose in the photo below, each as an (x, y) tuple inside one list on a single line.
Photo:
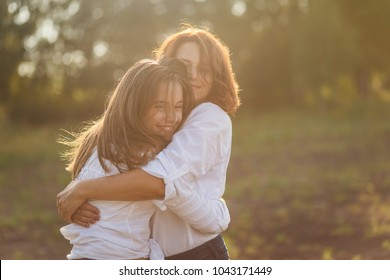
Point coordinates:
[(170, 115), (193, 72)]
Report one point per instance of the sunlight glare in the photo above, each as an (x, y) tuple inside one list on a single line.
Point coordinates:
[(100, 48), (30, 42), (12, 7), (79, 58), (48, 31), (73, 7), (26, 69), (238, 8), (23, 16)]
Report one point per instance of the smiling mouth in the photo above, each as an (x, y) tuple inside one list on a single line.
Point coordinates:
[(167, 129)]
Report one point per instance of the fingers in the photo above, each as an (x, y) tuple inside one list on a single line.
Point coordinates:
[(89, 211), (82, 220), (86, 215), (73, 209), (66, 203), (93, 211), (61, 211)]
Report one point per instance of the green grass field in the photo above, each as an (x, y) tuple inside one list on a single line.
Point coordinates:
[(300, 186)]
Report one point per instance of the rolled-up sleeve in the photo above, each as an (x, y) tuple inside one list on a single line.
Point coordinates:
[(204, 214)]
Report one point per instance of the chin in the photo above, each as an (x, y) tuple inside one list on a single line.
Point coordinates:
[(168, 137)]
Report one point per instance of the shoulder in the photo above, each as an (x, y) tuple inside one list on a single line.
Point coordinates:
[(209, 114), (208, 107)]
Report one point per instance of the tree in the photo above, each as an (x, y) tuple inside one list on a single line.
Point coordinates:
[(16, 22), (370, 20)]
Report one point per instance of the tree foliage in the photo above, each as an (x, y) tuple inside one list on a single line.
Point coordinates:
[(61, 57)]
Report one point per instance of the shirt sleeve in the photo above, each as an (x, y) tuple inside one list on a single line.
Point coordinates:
[(208, 215), (202, 213), (211, 216)]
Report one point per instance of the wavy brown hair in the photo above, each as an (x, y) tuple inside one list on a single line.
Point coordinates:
[(119, 135), (225, 89)]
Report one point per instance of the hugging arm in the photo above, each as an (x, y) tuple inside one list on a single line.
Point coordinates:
[(193, 151), (204, 214), (129, 186)]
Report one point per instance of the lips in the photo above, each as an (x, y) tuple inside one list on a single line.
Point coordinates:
[(167, 129)]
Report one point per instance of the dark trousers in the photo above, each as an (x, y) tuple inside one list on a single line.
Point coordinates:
[(215, 249)]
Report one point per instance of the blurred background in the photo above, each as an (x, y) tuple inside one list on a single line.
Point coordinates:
[(309, 176)]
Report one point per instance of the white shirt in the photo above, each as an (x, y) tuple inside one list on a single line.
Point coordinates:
[(194, 167), (123, 231)]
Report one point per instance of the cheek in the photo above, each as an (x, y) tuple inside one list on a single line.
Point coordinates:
[(155, 118), (207, 81), (145, 121), (179, 116), (150, 120)]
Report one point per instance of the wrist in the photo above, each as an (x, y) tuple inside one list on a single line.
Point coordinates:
[(82, 190)]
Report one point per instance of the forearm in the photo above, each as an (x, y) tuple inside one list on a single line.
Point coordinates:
[(134, 185)]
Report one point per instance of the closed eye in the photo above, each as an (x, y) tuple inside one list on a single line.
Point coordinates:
[(159, 105), (179, 106)]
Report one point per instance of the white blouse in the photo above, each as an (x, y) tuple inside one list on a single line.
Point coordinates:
[(123, 231), (193, 167)]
